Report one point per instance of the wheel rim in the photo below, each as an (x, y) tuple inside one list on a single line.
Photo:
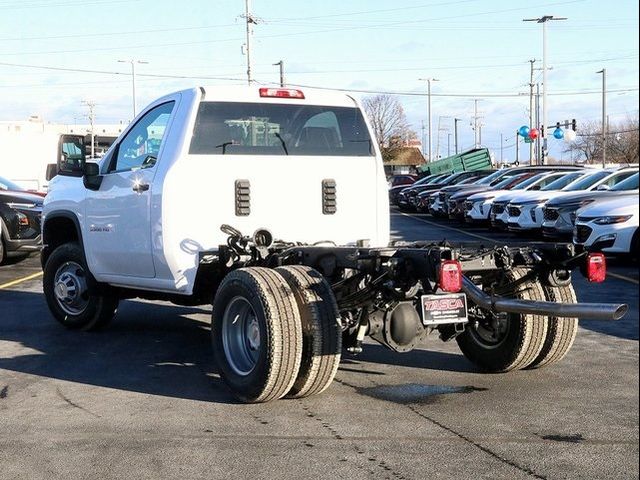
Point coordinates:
[(70, 288), (241, 336), (491, 334)]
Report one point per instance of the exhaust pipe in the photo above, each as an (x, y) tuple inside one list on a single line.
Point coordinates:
[(583, 311)]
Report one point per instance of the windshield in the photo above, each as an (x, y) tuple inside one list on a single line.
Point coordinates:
[(468, 181), (448, 179), (487, 180), (435, 179), (234, 128), (630, 183), (510, 179), (586, 182), (563, 181), (9, 185), (529, 181)]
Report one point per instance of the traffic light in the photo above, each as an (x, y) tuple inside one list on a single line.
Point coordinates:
[(573, 124)]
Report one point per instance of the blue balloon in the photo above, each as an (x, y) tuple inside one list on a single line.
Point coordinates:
[(558, 133), (523, 131)]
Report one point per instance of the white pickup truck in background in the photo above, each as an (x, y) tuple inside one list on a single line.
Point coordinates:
[(161, 216)]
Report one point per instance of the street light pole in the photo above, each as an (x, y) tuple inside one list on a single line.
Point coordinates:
[(543, 20), (429, 80), (455, 132), (133, 80), (501, 148), (604, 116), (92, 118), (531, 110), (281, 64)]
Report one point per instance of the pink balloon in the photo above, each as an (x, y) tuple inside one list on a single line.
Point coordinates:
[(533, 133)]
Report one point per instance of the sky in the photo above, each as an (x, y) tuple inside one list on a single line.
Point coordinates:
[(55, 54)]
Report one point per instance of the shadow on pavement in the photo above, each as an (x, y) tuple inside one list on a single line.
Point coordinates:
[(153, 349), (425, 359)]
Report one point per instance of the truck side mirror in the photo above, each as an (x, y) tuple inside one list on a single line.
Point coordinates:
[(52, 171), (71, 155), (91, 178)]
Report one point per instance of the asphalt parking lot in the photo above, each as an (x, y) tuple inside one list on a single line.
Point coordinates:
[(141, 399)]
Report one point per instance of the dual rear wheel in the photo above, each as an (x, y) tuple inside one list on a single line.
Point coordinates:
[(519, 341), (276, 333)]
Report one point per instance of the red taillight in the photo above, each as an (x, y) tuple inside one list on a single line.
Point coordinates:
[(596, 267), (281, 93), (450, 276)]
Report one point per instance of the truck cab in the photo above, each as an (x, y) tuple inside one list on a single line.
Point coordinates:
[(245, 156)]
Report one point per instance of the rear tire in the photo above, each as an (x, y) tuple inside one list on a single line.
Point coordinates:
[(1, 245), (561, 333), (70, 291), (256, 334), (321, 330), (514, 346)]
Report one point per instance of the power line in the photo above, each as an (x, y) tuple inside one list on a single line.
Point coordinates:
[(599, 134)]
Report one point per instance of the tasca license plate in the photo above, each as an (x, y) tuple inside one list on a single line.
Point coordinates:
[(441, 309)]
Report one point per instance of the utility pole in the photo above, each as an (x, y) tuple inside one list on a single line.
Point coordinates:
[(537, 140), (448, 144), (501, 148), (281, 64), (250, 21), (429, 80), (422, 137), (531, 110), (133, 79), (455, 132), (604, 116), (92, 117), (543, 20), (518, 149)]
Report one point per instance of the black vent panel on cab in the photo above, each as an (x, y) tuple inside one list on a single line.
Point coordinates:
[(329, 197), (243, 198)]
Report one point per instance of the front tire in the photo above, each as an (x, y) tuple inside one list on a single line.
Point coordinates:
[(73, 298), (510, 344), (256, 334)]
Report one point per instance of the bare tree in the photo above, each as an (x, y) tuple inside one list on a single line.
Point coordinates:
[(622, 143), (388, 120)]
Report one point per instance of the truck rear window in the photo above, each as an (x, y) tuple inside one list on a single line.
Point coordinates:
[(233, 128)]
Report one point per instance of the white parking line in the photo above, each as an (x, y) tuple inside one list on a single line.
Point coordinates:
[(20, 280), (623, 277)]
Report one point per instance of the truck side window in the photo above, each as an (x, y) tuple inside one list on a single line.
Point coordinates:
[(140, 146)]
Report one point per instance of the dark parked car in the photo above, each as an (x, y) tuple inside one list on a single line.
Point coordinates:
[(394, 192), (20, 214), (397, 180), (408, 199)]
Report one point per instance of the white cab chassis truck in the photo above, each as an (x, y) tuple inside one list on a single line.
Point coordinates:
[(163, 216)]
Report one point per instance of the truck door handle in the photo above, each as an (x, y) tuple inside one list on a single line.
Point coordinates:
[(140, 187)]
